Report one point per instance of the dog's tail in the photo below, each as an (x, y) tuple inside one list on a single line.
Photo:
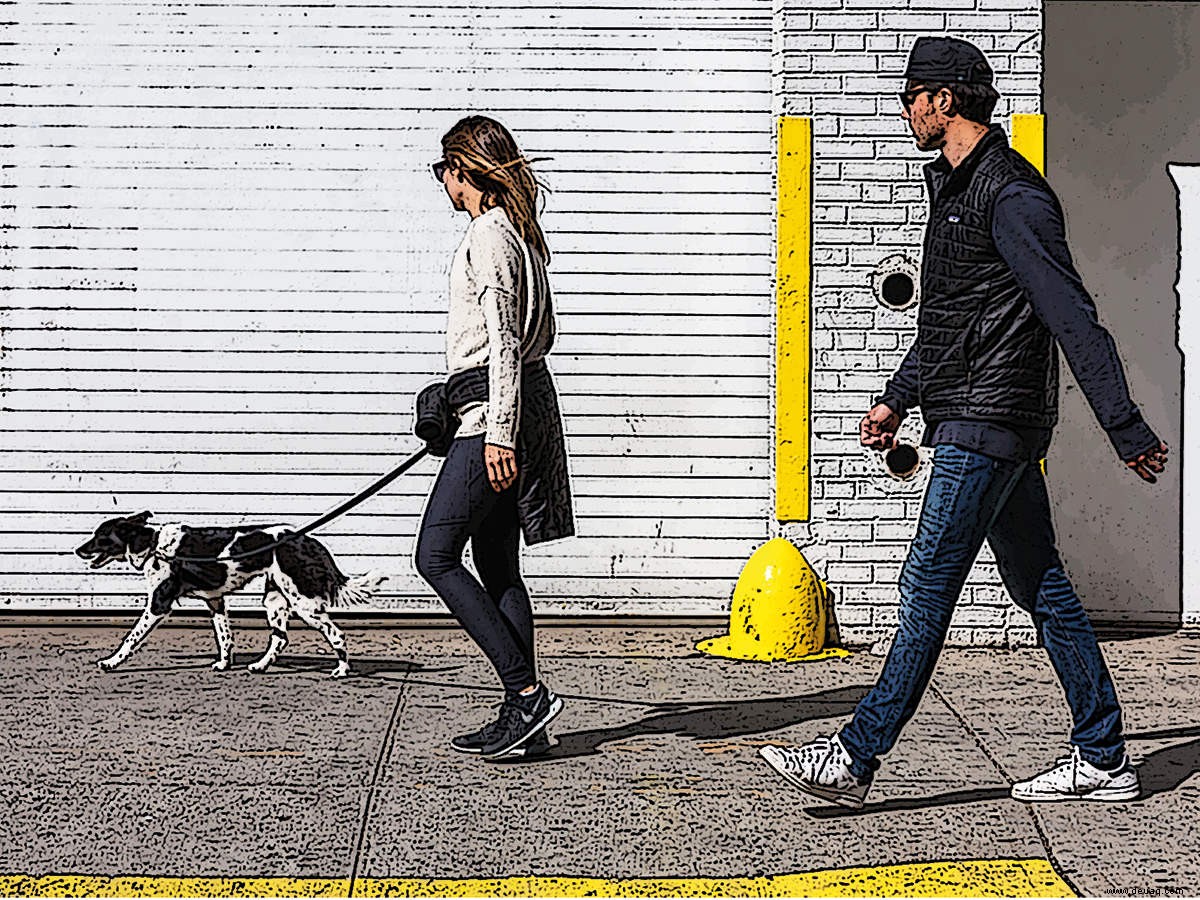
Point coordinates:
[(356, 591)]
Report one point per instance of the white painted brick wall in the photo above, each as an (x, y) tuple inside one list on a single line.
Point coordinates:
[(840, 61)]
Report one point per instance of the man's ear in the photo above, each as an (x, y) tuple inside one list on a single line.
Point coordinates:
[(946, 102)]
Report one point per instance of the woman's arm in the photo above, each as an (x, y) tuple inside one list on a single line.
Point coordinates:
[(497, 261)]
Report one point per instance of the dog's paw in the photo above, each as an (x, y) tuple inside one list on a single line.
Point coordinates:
[(341, 671), (221, 665), (108, 663), (257, 668)]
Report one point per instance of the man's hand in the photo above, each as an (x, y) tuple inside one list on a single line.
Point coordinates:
[(501, 466), (878, 427), (1149, 463)]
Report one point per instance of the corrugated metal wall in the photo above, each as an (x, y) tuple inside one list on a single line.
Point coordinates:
[(225, 264)]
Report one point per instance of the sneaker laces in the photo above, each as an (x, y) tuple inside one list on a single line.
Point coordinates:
[(1075, 759), (510, 716), (485, 731), (807, 759), (1071, 758)]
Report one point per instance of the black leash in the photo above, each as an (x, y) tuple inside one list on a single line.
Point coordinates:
[(328, 517)]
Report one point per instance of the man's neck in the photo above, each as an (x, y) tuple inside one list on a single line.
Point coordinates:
[(961, 137)]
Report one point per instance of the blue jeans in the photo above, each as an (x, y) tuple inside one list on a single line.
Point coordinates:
[(972, 497)]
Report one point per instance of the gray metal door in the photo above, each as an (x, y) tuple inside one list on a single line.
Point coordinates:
[(1121, 103)]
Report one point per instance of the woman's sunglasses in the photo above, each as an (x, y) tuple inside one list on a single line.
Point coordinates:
[(439, 169)]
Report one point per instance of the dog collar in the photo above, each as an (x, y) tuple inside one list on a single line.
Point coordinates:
[(139, 562)]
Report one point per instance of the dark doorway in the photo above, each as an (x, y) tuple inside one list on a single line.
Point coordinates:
[(1121, 103)]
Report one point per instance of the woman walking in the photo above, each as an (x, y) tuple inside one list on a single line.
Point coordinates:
[(506, 470)]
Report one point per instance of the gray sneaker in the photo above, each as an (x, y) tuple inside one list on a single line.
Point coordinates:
[(1074, 778), (520, 719), (820, 768), (475, 741)]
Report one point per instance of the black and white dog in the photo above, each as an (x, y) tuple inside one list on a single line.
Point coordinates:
[(180, 561)]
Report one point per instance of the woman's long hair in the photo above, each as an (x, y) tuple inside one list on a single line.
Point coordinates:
[(490, 159)]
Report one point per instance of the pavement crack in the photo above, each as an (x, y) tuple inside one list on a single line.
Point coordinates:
[(1034, 813), (384, 749)]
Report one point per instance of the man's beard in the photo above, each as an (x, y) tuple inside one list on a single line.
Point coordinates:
[(931, 140)]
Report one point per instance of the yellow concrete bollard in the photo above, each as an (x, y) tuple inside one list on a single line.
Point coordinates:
[(779, 611)]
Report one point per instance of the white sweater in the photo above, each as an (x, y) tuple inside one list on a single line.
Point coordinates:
[(490, 317)]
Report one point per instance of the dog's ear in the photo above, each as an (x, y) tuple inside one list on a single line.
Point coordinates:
[(141, 518)]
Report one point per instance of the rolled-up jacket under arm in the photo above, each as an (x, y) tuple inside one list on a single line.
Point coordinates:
[(544, 501)]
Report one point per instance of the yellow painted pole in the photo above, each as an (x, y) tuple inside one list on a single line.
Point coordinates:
[(793, 318), (1029, 138)]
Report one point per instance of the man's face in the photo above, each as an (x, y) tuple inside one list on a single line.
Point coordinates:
[(921, 108)]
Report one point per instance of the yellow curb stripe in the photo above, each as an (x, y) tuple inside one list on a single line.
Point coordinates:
[(137, 886), (970, 878), (793, 317)]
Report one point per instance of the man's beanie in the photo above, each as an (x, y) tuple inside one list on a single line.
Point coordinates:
[(947, 60)]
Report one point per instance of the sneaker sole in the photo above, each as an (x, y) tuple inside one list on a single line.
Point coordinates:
[(1123, 795), (850, 801), (525, 750), (555, 708), (518, 751)]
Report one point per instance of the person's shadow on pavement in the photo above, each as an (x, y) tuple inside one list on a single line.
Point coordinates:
[(1160, 771), (707, 721), (1166, 769)]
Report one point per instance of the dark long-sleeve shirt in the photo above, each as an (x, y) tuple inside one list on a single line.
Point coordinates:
[(1030, 235)]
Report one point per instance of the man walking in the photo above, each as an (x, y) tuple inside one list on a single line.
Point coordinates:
[(999, 292)]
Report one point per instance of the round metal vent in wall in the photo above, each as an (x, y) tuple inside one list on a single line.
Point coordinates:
[(896, 282)]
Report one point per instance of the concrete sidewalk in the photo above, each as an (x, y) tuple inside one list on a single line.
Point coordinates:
[(168, 769)]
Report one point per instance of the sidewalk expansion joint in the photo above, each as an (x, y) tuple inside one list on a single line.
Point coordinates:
[(385, 747), (1034, 815)]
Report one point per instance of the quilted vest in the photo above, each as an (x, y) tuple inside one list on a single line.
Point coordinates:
[(983, 353)]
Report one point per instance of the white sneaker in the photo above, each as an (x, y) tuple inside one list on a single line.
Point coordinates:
[(820, 768), (1074, 778)]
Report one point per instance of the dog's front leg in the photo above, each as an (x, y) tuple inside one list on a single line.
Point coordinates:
[(220, 623), (163, 595), (137, 634)]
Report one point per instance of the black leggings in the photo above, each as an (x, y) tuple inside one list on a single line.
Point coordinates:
[(497, 613)]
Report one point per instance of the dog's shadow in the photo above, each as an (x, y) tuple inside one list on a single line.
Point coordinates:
[(292, 664), (365, 667), (706, 721)]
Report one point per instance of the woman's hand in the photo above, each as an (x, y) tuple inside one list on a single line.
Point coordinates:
[(501, 466)]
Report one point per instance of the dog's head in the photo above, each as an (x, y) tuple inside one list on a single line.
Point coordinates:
[(126, 538)]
